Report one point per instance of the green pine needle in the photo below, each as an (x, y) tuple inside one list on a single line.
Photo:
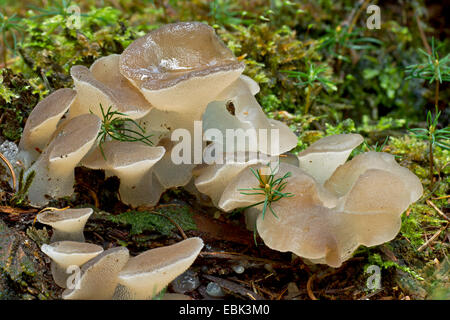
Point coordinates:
[(270, 188), (115, 128)]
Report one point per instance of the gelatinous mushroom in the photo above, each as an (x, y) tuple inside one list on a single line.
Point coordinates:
[(346, 175), (99, 276), (212, 179), (103, 84), (170, 174), (161, 125), (322, 157), (55, 166), (147, 274), (42, 122), (180, 67), (132, 163), (65, 254), (238, 110), (67, 224), (251, 84), (367, 197)]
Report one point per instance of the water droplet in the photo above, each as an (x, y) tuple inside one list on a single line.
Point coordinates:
[(186, 282), (214, 290), (238, 269)]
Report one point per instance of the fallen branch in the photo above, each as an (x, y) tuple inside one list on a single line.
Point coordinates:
[(309, 287), (432, 238), (11, 210), (443, 215), (233, 287)]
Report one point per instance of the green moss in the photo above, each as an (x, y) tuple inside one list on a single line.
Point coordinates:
[(51, 46), (438, 280), (6, 93), (376, 259), (141, 221), (16, 102), (40, 236)]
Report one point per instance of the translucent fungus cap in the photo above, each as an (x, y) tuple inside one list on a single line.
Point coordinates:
[(361, 204), (240, 113), (162, 124), (55, 166), (322, 157), (103, 84), (213, 179), (67, 224), (347, 174), (148, 273), (65, 254), (44, 118), (180, 67), (251, 84), (99, 276), (132, 163)]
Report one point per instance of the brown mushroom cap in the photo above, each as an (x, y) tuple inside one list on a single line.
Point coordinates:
[(132, 163), (65, 254), (99, 276), (148, 273), (180, 67), (323, 157), (43, 120), (55, 167), (103, 84), (67, 224)]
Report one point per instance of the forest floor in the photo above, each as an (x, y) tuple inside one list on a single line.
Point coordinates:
[(364, 89)]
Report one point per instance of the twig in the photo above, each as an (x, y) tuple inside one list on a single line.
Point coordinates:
[(238, 256), (438, 210), (173, 222), (92, 194), (432, 238), (2, 65), (281, 294), (49, 209), (255, 287), (309, 286), (11, 169), (233, 287), (358, 13), (370, 295), (422, 35), (168, 205), (11, 210), (440, 198)]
